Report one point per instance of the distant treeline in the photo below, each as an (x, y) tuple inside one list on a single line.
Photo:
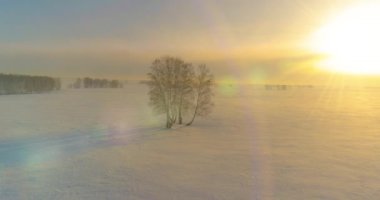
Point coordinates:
[(23, 84), (286, 87), (95, 83)]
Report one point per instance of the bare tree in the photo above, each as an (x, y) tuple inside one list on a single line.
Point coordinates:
[(203, 84), (185, 89), (164, 87), (174, 89)]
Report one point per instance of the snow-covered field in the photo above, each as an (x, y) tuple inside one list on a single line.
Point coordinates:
[(106, 144)]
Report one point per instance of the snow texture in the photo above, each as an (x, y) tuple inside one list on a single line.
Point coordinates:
[(107, 144)]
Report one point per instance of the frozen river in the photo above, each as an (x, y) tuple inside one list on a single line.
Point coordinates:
[(320, 143)]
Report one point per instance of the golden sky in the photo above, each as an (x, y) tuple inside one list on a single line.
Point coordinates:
[(253, 41)]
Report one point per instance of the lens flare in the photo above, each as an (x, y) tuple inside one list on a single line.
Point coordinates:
[(228, 86), (351, 41)]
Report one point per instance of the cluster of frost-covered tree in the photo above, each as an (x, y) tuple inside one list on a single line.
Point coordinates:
[(96, 83), (22, 84), (176, 88)]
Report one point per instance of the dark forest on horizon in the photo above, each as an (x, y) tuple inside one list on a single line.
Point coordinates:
[(95, 83), (25, 84)]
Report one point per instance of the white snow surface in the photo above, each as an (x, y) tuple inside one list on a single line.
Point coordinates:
[(107, 144)]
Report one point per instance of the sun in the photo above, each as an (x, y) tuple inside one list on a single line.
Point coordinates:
[(351, 41)]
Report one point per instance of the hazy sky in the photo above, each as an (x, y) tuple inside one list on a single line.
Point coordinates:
[(245, 39)]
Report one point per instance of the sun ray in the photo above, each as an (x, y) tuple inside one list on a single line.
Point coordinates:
[(351, 41)]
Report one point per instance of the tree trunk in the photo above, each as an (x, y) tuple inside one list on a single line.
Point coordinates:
[(192, 120), (173, 119), (168, 120), (195, 112), (180, 117), (180, 111)]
